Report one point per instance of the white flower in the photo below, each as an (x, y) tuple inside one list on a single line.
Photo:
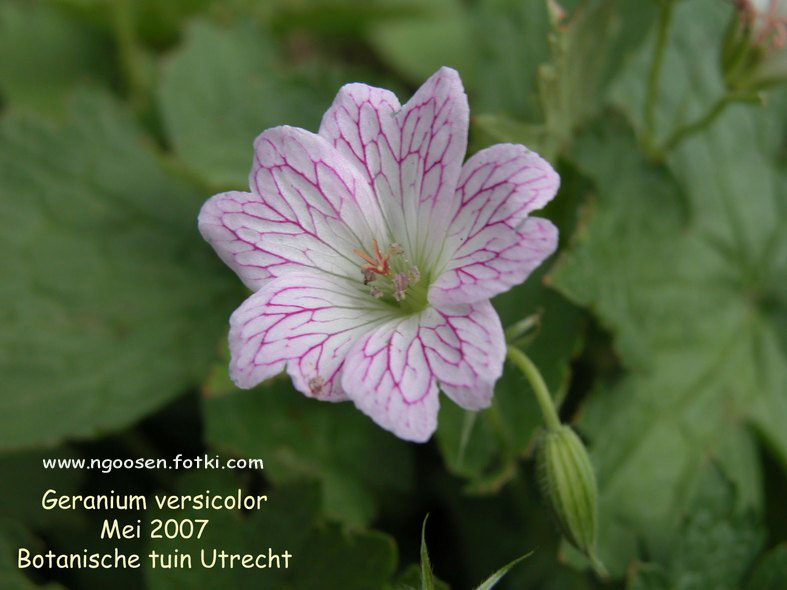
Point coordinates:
[(373, 252)]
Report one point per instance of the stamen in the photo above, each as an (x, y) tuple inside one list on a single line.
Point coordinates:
[(368, 275), (400, 284), (391, 277)]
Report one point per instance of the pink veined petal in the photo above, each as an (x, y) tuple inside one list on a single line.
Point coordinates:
[(388, 377), (308, 208), (392, 373), (412, 155), (305, 321), (492, 244), (466, 350)]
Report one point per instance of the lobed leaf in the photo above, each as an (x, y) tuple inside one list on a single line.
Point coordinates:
[(288, 521), (685, 264), (111, 303)]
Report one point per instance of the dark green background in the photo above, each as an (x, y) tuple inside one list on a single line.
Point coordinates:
[(661, 320)]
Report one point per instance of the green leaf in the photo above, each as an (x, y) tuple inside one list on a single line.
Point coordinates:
[(343, 19), (496, 45), (323, 555), (511, 41), (12, 537), (44, 53), (300, 438), (492, 580), (410, 579), (427, 577), (569, 76), (429, 582), (714, 546), (687, 267), (222, 89), (111, 303), (160, 23), (733, 175), (691, 323), (20, 496), (690, 80), (586, 51), (157, 24), (489, 129), (419, 42), (495, 529), (771, 570)]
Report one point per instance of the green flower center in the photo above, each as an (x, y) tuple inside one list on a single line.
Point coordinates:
[(393, 279)]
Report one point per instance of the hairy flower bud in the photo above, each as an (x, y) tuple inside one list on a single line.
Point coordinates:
[(569, 486)]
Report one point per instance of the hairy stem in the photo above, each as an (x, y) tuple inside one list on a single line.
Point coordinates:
[(682, 133)]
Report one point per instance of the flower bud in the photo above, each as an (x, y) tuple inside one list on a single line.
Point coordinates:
[(569, 486), (754, 52)]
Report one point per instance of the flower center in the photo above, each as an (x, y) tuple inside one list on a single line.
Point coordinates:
[(393, 278)]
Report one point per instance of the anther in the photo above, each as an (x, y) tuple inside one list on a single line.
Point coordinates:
[(316, 384)]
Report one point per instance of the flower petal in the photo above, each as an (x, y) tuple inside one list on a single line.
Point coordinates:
[(411, 156), (308, 208), (306, 321), (492, 244), (467, 349), (392, 373), (388, 377)]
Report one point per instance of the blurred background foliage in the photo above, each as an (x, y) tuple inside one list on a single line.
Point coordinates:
[(660, 325)]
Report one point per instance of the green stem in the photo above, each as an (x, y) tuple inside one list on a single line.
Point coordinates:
[(495, 423), (131, 61), (654, 77), (467, 428), (523, 362), (704, 121)]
